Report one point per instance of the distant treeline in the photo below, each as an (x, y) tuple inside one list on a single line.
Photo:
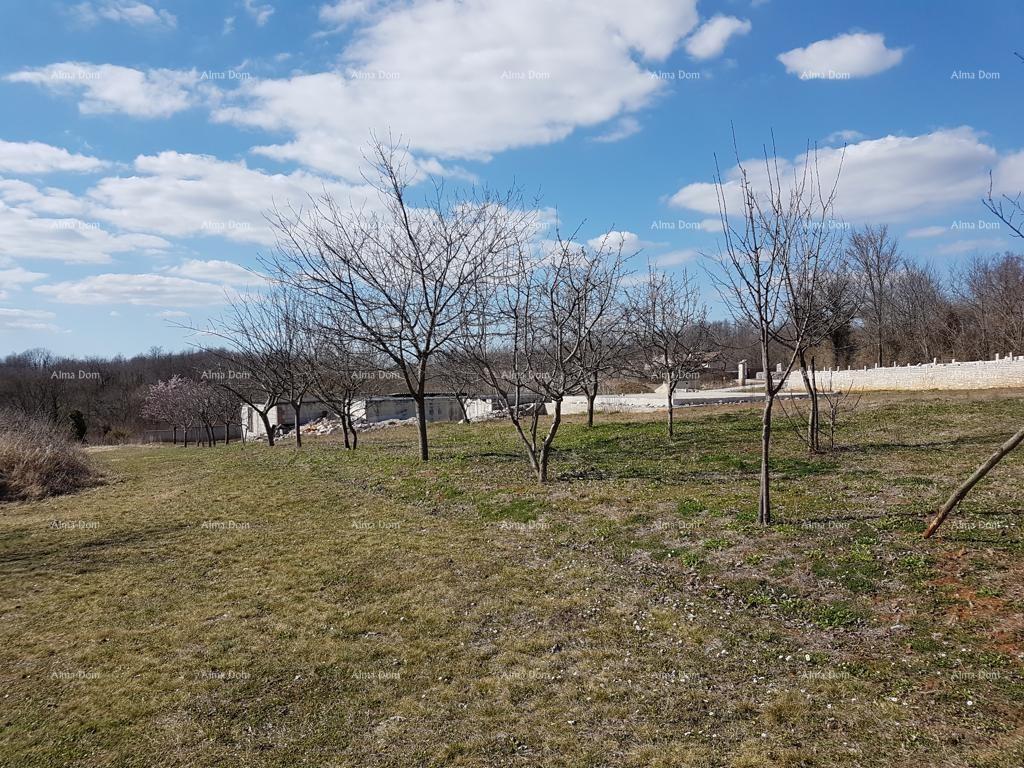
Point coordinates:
[(910, 316)]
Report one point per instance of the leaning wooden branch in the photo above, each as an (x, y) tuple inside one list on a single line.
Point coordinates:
[(964, 489)]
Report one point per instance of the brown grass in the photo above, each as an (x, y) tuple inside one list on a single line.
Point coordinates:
[(37, 459)]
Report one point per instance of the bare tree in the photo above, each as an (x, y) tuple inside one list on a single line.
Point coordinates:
[(603, 347), (528, 340), (876, 255), (341, 373), (667, 331), (770, 274), (247, 341), (402, 273)]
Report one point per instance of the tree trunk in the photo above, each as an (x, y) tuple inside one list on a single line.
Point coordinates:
[(344, 426), (421, 425), (461, 400), (175, 436), (807, 373), (764, 504), (671, 412), (265, 418), (545, 449), (591, 397), (297, 407), (979, 473), (184, 434)]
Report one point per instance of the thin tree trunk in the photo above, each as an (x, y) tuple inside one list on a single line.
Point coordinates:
[(764, 504), (175, 436), (184, 433), (807, 373), (965, 488), (591, 397), (344, 427), (671, 409), (297, 407), (545, 449), (265, 418), (421, 425)]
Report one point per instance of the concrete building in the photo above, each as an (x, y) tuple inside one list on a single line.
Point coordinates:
[(282, 416), (370, 410)]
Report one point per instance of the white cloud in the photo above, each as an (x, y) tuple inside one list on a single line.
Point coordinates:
[(674, 258), (136, 290), (960, 247), (108, 89), (611, 241), (468, 78), (927, 232), (844, 137), (856, 54), (259, 12), (24, 235), (344, 12), (26, 320), (624, 128), (184, 195), (887, 179), (32, 157), (15, 278), (216, 271), (714, 34), (130, 12)]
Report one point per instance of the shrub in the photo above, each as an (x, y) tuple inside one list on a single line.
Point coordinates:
[(38, 459)]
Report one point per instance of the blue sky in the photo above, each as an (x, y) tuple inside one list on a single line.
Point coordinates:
[(140, 143)]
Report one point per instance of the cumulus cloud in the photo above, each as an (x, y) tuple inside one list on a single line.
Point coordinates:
[(33, 157), (27, 320), (71, 240), (181, 195), (130, 12), (108, 89), (857, 54), (136, 290), (612, 241), (15, 278), (714, 34), (467, 79), (887, 179)]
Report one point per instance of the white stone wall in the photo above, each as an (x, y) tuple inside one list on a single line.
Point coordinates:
[(978, 374)]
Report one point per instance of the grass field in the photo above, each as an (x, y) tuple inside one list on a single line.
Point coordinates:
[(257, 607)]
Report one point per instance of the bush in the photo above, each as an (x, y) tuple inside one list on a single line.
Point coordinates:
[(38, 459)]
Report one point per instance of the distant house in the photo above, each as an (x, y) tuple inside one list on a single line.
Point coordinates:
[(439, 407), (282, 416)]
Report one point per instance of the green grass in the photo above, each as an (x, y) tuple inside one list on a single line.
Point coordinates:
[(255, 607)]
